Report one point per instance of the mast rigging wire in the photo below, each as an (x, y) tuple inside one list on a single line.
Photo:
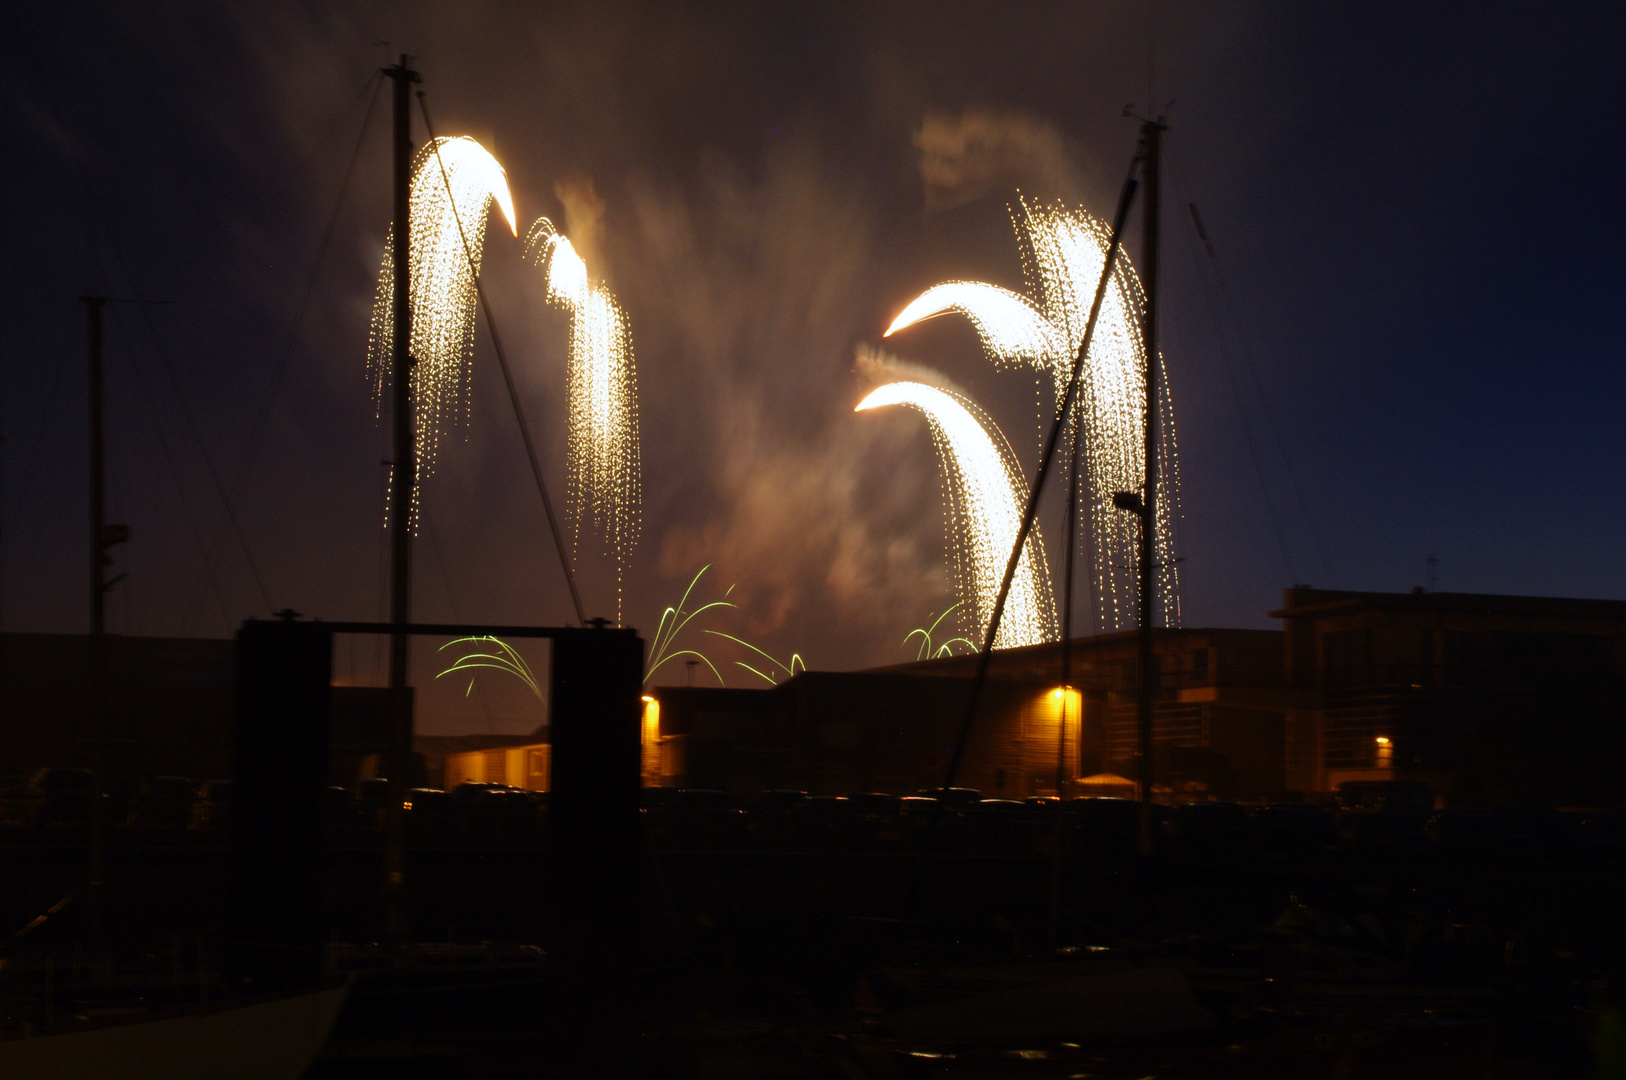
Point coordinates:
[(280, 371), (986, 654), (1227, 302)]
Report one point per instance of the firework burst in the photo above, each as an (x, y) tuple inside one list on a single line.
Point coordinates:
[(454, 182), (603, 484), (1063, 252), (986, 495)]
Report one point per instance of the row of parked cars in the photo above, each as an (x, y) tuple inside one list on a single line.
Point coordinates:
[(57, 797), (962, 819), (958, 819), (477, 812)]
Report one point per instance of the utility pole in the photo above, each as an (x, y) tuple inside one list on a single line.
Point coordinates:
[(97, 653), (403, 479), (102, 537), (1148, 685)]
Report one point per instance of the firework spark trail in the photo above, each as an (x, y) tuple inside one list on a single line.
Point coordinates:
[(602, 443), (1062, 255), (443, 286), (986, 494)]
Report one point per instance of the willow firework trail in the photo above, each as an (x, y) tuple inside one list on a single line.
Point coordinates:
[(986, 496), (443, 285), (1062, 255), (603, 486)]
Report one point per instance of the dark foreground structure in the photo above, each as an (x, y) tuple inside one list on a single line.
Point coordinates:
[(797, 911)]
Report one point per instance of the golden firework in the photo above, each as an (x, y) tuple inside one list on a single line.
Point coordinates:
[(1063, 252), (603, 486), (454, 181), (986, 495)]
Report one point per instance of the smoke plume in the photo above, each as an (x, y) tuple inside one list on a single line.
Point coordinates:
[(963, 156), (584, 222)]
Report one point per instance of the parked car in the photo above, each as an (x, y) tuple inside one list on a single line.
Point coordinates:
[(62, 796), (1206, 827), (1464, 829), (213, 807), (698, 817), (1376, 832), (372, 802), (431, 816), (957, 797), (1104, 825), (1294, 831), (162, 802)]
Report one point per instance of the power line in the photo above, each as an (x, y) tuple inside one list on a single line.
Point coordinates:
[(1249, 357), (169, 463), (279, 372), (1236, 386)]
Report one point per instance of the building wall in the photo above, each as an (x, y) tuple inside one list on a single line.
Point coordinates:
[(169, 704), (1220, 722), (1487, 698), (527, 766)]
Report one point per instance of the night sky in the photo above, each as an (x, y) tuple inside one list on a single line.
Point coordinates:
[(1416, 210)]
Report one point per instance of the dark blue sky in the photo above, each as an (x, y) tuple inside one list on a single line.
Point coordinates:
[(1416, 210)]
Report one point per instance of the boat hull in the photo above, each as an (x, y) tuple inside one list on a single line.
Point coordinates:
[(268, 1039)]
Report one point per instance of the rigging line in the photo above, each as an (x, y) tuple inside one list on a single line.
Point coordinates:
[(280, 371), (197, 436), (451, 597), (986, 654), (384, 467), (26, 480), (100, 220), (369, 90), (169, 461), (507, 375), (1236, 387), (1229, 303)]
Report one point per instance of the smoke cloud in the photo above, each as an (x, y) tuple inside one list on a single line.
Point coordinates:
[(584, 222), (963, 156), (877, 366), (750, 290)]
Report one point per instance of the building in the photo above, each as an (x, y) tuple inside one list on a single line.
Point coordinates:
[(169, 704), (521, 761), (1489, 699), (1219, 722)]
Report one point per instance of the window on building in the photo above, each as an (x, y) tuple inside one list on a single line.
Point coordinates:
[(1346, 657)]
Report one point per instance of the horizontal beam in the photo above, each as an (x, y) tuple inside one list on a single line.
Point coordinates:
[(464, 629)]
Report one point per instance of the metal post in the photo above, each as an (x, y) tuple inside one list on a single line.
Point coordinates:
[(1147, 688), (403, 479), (97, 653)]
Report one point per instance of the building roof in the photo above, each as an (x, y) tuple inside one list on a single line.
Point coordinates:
[(1301, 602), (440, 745)]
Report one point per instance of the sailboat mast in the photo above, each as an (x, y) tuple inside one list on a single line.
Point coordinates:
[(403, 477), (98, 601), (404, 473), (1148, 686)]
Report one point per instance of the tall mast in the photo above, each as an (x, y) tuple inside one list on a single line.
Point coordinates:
[(403, 477), (98, 600), (1148, 685)]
